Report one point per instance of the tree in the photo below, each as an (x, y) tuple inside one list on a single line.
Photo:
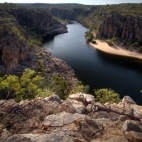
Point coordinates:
[(89, 36), (59, 86), (28, 86), (9, 85), (106, 95)]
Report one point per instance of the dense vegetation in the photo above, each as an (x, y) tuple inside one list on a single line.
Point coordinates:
[(33, 84), (106, 95)]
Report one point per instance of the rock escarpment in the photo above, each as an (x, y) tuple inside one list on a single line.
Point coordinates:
[(41, 60), (12, 50), (126, 28), (17, 26), (79, 118), (38, 21)]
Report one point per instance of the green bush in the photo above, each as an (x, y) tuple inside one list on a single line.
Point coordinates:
[(106, 95), (109, 43), (93, 41), (16, 31), (33, 40), (59, 86), (114, 39), (140, 48), (136, 44), (28, 86), (79, 87), (89, 36)]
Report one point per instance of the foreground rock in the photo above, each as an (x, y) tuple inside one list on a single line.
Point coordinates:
[(76, 120)]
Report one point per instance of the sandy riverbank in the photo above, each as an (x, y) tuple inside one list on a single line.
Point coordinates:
[(116, 50)]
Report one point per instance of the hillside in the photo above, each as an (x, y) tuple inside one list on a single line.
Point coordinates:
[(26, 69), (24, 28)]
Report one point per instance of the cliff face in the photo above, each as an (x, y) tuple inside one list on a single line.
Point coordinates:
[(70, 14), (120, 21), (17, 24), (38, 21), (12, 50), (126, 28)]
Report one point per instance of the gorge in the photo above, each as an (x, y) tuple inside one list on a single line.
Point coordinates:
[(94, 68), (41, 95)]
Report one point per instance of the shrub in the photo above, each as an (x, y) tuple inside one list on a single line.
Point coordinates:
[(136, 44), (28, 86), (114, 39), (89, 36), (106, 95), (59, 86), (93, 41), (140, 48), (79, 87), (109, 43)]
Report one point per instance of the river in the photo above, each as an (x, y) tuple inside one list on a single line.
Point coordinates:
[(94, 68)]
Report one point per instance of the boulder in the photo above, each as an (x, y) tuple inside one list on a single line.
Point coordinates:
[(103, 114), (134, 136), (137, 111), (131, 125), (60, 119), (112, 135), (79, 107), (128, 99), (85, 98), (65, 106)]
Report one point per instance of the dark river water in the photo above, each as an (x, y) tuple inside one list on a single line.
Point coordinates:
[(95, 68)]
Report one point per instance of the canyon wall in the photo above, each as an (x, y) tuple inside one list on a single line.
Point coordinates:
[(17, 24), (126, 28)]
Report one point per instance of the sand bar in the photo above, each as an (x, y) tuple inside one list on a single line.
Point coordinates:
[(116, 50)]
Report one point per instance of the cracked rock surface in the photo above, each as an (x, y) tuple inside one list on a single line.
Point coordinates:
[(52, 119)]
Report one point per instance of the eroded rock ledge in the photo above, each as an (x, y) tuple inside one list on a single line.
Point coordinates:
[(77, 119)]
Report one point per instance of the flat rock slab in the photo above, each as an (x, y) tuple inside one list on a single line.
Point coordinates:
[(60, 136), (61, 119)]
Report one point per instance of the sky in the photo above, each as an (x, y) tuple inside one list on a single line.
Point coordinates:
[(90, 2)]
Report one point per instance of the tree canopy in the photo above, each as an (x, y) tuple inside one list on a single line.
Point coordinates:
[(106, 95)]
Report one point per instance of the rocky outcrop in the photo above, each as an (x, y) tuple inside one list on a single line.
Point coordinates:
[(17, 25), (126, 28), (41, 60), (38, 21), (51, 119), (12, 50)]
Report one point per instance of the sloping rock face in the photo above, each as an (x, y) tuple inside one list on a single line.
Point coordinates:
[(38, 21), (71, 13), (15, 54), (12, 50), (51, 119), (41, 60), (125, 28)]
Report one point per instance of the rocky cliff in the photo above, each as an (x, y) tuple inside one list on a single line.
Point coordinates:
[(38, 20), (17, 25), (122, 22), (126, 28), (12, 50), (77, 119)]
